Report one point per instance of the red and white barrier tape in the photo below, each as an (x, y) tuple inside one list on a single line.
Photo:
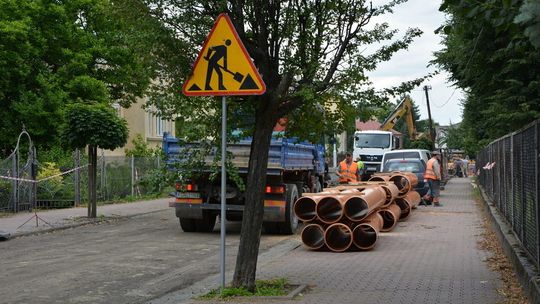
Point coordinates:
[(43, 179)]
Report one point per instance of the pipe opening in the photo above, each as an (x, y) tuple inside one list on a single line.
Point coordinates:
[(305, 209), (356, 209), (364, 236), (313, 236), (389, 198), (378, 179), (404, 206), (389, 220), (329, 210), (401, 182), (338, 237)]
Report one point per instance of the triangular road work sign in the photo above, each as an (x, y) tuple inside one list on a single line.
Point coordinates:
[(223, 66)]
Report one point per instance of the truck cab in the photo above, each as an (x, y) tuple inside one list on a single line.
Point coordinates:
[(370, 146)]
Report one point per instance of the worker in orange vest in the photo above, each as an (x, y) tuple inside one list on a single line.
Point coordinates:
[(347, 170), (433, 177)]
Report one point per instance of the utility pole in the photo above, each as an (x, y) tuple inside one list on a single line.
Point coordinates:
[(431, 132)]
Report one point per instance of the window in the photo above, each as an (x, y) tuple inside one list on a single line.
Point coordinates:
[(373, 140), (150, 124), (414, 167), (159, 125), (401, 155)]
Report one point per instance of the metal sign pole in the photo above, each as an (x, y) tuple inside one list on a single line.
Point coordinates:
[(223, 186)]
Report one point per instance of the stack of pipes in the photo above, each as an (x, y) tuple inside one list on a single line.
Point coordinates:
[(351, 216)]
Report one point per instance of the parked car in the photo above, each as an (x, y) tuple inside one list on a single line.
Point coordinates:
[(421, 154), (416, 166)]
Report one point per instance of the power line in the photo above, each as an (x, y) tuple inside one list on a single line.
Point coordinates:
[(466, 66)]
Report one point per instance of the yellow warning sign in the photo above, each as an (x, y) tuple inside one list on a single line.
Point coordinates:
[(223, 66)]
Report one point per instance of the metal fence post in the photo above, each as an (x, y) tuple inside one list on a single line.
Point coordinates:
[(15, 183), (536, 150), (33, 174), (159, 168), (513, 172), (77, 178), (103, 178), (523, 194), (132, 175)]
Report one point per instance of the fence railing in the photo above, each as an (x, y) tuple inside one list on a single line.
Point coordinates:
[(509, 174), (117, 178)]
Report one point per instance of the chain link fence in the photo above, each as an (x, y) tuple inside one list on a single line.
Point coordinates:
[(17, 186), (60, 186), (509, 174)]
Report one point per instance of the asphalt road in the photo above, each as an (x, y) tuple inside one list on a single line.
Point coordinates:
[(124, 261)]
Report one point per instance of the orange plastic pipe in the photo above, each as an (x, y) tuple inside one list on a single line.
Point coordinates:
[(313, 236), (330, 209), (391, 191), (365, 235), (404, 206), (390, 216), (380, 178), (405, 182), (413, 198), (358, 207), (338, 237), (305, 208)]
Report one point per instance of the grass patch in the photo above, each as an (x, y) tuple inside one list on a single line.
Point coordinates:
[(263, 288)]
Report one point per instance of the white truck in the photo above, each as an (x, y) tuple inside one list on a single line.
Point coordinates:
[(370, 146)]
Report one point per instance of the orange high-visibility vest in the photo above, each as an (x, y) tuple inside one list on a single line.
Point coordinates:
[(430, 174), (348, 172)]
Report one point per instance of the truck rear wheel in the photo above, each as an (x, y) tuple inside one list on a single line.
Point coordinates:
[(271, 227), (291, 221), (207, 223), (187, 224)]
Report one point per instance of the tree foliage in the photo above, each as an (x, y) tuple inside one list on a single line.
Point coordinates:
[(53, 53), (489, 53), (454, 137), (142, 149), (94, 124)]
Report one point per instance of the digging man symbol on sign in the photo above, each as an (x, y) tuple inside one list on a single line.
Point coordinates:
[(214, 55)]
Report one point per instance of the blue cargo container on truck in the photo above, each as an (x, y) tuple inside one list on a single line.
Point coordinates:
[(293, 168)]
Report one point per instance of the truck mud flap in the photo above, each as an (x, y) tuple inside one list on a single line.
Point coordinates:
[(274, 211)]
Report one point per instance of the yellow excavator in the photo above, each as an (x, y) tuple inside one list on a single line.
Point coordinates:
[(404, 108)]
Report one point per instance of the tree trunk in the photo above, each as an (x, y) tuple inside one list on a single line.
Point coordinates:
[(248, 249), (92, 169)]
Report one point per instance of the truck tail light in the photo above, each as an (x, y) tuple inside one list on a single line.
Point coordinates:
[(186, 187), (275, 189)]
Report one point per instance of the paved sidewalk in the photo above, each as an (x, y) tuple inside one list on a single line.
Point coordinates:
[(72, 217), (432, 257)]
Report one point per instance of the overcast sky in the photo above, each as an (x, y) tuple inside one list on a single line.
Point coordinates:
[(445, 100)]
